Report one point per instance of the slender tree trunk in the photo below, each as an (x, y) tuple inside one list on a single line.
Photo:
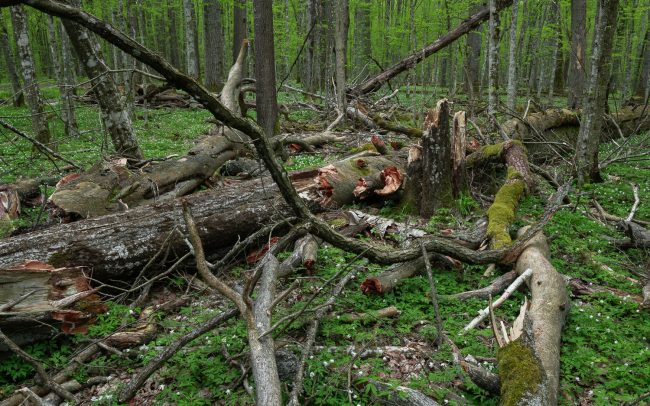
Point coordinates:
[(18, 98), (472, 62), (595, 97), (643, 83), (341, 40), (67, 109), (213, 44), (310, 47), (576, 77), (191, 58), (67, 63), (555, 45), (512, 53), (240, 27), (266, 100), (363, 44), (115, 117), (174, 52), (32, 90), (493, 60)]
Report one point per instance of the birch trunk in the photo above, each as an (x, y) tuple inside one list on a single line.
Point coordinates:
[(32, 89)]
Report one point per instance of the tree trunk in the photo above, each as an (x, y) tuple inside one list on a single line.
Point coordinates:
[(472, 62), (341, 40), (310, 46), (18, 97), (213, 44), (32, 89), (576, 78), (191, 58), (115, 117), (512, 53), (595, 98), (266, 97), (493, 60), (376, 82), (67, 108), (174, 53), (643, 83), (240, 27), (119, 244), (362, 37)]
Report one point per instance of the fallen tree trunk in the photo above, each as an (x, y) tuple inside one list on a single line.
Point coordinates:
[(118, 244), (529, 367), (375, 83)]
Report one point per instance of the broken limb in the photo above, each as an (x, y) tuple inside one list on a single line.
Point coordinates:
[(483, 313), (498, 285)]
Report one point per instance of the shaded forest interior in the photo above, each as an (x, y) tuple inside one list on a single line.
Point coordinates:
[(324, 202)]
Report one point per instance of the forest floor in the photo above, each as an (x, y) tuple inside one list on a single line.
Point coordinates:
[(605, 345)]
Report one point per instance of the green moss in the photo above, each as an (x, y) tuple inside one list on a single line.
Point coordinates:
[(502, 212), (363, 147), (338, 222), (491, 151), (362, 171), (519, 372)]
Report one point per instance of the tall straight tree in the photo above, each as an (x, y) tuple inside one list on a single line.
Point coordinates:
[(191, 57), (512, 53), (493, 60), (643, 82), (240, 27), (576, 79), (18, 98), (595, 97), (213, 44), (174, 52), (115, 116), (472, 60), (266, 97), (32, 90), (340, 41), (65, 88)]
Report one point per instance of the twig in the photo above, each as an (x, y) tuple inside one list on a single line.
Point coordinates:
[(434, 295), (9, 305), (493, 322), (483, 313), (42, 147), (498, 285), (47, 380)]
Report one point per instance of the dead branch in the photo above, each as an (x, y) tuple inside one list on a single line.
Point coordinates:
[(434, 296), (498, 285)]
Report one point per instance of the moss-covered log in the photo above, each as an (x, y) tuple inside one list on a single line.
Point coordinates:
[(529, 367)]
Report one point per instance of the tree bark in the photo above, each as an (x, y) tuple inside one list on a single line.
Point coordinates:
[(18, 97), (213, 44), (376, 82), (643, 82), (119, 244), (595, 98), (240, 27), (67, 107), (191, 57), (266, 97), (493, 61), (512, 53), (472, 60), (174, 53), (32, 89), (341, 40), (115, 117)]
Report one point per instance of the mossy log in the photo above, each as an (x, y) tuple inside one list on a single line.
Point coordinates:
[(562, 125), (529, 367)]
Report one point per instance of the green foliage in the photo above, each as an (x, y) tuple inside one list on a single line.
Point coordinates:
[(14, 369)]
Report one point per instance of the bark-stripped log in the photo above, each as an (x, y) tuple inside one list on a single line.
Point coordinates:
[(529, 367)]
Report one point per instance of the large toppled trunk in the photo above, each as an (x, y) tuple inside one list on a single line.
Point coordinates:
[(119, 244)]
